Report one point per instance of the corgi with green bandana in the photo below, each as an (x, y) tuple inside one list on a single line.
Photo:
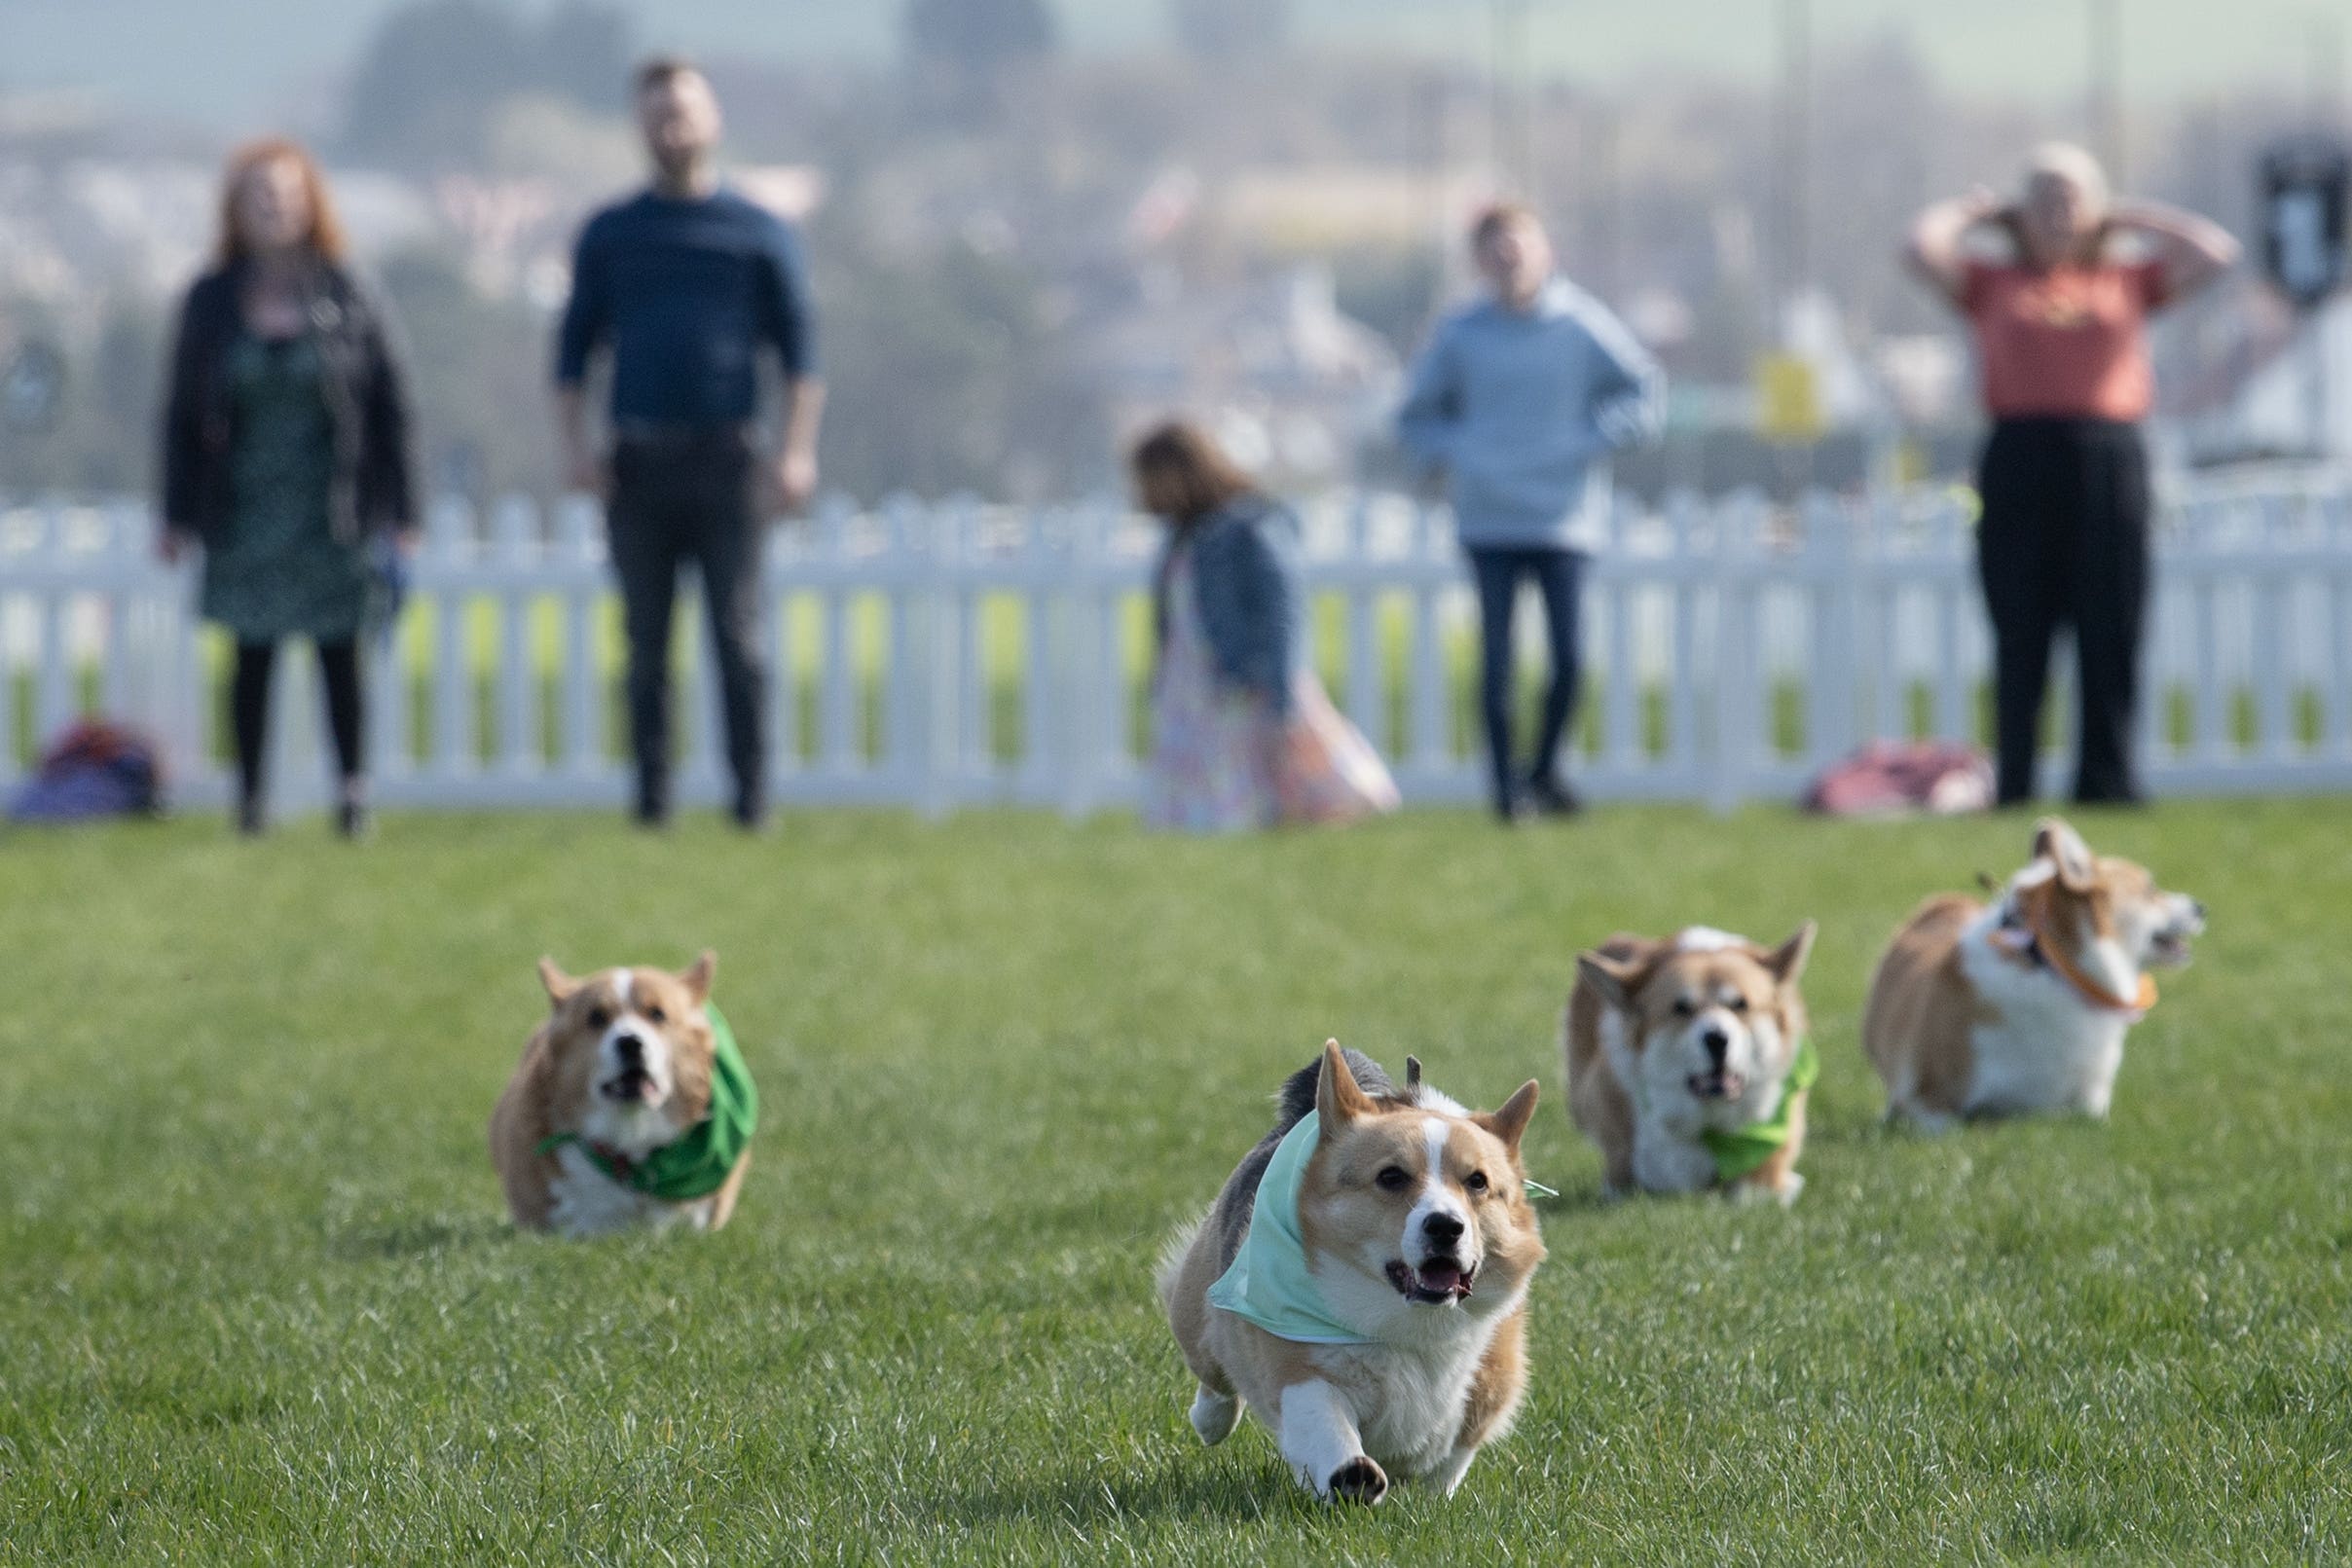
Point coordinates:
[(1689, 1062)]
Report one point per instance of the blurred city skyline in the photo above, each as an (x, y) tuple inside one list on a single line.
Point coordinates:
[(263, 59), (1036, 225)]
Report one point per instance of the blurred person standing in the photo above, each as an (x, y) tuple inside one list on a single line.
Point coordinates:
[(286, 455), (1242, 734), (1519, 398), (2059, 322), (685, 284)]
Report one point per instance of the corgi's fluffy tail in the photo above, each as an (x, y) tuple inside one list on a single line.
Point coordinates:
[(1172, 1254)]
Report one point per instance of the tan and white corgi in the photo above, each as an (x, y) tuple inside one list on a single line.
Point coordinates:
[(2020, 1005), (1689, 1064), (1360, 1282), (631, 1107)]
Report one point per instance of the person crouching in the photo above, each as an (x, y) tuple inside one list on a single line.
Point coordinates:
[(1242, 734)]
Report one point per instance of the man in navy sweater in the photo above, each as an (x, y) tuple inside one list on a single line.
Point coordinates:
[(684, 284)]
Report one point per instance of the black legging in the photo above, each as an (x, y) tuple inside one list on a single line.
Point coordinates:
[(249, 708), (1500, 570), (2064, 542)]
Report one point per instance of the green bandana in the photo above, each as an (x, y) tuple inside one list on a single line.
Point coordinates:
[(699, 1163), (1268, 1283), (1740, 1151)]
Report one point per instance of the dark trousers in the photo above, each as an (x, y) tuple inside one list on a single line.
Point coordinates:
[(674, 500), (1558, 574), (249, 708), (2064, 542)]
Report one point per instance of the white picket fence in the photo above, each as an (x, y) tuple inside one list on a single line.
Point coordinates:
[(943, 656)]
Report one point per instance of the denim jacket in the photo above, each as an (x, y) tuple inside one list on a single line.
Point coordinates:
[(1245, 571)]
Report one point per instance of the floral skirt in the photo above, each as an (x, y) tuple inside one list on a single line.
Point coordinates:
[(1224, 761)]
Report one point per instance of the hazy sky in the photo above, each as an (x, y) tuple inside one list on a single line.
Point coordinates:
[(231, 62)]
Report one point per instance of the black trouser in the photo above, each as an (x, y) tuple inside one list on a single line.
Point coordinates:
[(1556, 572), (2064, 542), (249, 708), (690, 497)]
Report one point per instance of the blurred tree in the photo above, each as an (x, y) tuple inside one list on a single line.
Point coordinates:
[(430, 83), (102, 442), (423, 88), (584, 53), (947, 374), (478, 371), (978, 35), (1220, 30)]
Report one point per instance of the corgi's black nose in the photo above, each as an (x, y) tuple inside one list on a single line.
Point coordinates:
[(630, 1050), (1717, 1043), (1443, 1229)]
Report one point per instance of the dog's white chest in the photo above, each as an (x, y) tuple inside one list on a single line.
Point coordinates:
[(2049, 1050), (583, 1201), (1409, 1404)]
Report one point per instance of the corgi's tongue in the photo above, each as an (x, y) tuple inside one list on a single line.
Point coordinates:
[(1439, 1278)]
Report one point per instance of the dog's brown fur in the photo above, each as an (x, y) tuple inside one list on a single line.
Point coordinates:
[(552, 1085), (1640, 978), (1343, 1213), (1937, 1031)]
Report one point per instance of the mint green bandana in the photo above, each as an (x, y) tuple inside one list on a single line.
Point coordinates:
[(699, 1163), (1743, 1149), (1268, 1283)]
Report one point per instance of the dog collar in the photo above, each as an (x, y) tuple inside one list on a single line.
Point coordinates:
[(1740, 1151), (699, 1163), (2027, 938)]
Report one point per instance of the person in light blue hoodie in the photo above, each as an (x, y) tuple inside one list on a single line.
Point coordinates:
[(1519, 398)]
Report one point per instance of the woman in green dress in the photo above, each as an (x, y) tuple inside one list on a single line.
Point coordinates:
[(286, 455)]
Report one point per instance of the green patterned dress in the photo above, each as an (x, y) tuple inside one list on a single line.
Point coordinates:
[(278, 571)]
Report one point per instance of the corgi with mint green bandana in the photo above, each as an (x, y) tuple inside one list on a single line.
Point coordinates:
[(632, 1107), (1360, 1284), (1689, 1062)]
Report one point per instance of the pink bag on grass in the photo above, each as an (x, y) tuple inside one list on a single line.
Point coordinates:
[(1899, 778)]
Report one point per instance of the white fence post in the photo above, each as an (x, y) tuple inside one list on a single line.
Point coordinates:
[(1707, 605)]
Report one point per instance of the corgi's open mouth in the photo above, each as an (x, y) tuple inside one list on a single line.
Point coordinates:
[(2169, 950), (1436, 1283), (631, 1085), (1720, 1084)]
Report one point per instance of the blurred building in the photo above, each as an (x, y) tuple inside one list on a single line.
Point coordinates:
[(1291, 384)]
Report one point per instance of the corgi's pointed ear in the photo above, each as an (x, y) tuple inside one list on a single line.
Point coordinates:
[(698, 977), (1510, 1122), (1614, 973), (561, 987), (1338, 1100), (2059, 844), (1788, 961)]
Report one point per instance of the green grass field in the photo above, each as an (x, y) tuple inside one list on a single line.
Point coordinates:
[(261, 1304)]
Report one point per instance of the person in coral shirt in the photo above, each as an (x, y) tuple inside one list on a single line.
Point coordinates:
[(2059, 311)]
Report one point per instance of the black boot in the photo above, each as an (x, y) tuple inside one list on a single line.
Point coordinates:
[(653, 810), (352, 819), (1554, 797), (750, 810)]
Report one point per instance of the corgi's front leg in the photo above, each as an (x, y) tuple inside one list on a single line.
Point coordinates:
[(1320, 1443), (1449, 1471), (1664, 1162)]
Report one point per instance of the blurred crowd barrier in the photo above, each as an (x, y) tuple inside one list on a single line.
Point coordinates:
[(943, 655)]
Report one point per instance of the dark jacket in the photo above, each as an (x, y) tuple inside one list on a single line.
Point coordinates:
[(373, 477), (1245, 571)]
